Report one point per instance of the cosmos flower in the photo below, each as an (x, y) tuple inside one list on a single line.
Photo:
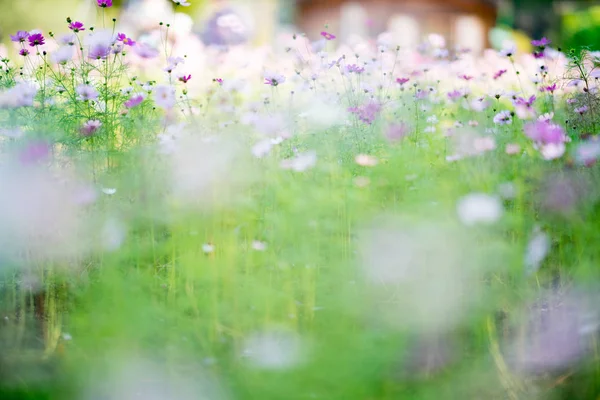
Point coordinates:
[(541, 42), (396, 132), (121, 37), (544, 132), (19, 37), (24, 52), (76, 26), (366, 112), (273, 79), (62, 55), (104, 3), (353, 68), (90, 127), (36, 39), (498, 74), (182, 3), (134, 101), (328, 36), (164, 96), (86, 92), (402, 81), (185, 78), (503, 118)]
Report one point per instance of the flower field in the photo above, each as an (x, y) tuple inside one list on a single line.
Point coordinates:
[(304, 220)]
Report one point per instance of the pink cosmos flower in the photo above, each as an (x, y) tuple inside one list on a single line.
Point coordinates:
[(544, 132), (24, 52), (550, 88), (498, 74), (465, 77), (396, 132), (134, 101), (328, 36), (219, 81), (76, 26), (90, 127), (146, 51), (37, 39), (366, 112), (121, 37), (104, 3), (185, 78), (19, 37), (503, 118), (581, 110), (402, 81)]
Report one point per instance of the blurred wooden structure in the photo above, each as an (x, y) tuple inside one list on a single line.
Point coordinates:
[(465, 23)]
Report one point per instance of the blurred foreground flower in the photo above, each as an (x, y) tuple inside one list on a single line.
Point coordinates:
[(479, 208)]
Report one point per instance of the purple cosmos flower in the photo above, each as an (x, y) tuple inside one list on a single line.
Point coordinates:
[(104, 3), (87, 92), (19, 37), (544, 132), (90, 127), (24, 52), (134, 101), (581, 110), (185, 78), (465, 77), (455, 95), (538, 54), (550, 88), (328, 36), (354, 68), (219, 81), (525, 102), (498, 74), (37, 39), (402, 81), (541, 42), (366, 112), (99, 52), (76, 26)]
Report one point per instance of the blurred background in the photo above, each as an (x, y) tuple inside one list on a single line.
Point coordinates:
[(475, 24)]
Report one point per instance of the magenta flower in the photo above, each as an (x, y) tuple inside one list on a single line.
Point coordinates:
[(19, 37), (545, 132), (541, 42), (76, 26), (550, 88), (185, 78), (273, 78), (498, 74), (538, 54), (525, 102), (328, 36), (24, 52), (465, 77), (104, 3), (37, 39), (134, 101), (402, 81), (219, 81), (121, 37)]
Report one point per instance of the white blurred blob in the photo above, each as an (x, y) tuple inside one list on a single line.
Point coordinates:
[(40, 216), (208, 248), (507, 190), (262, 148), (198, 166), (301, 162), (479, 208), (109, 191), (537, 250), (258, 245), (114, 233), (136, 379), (275, 349), (321, 114), (423, 276)]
